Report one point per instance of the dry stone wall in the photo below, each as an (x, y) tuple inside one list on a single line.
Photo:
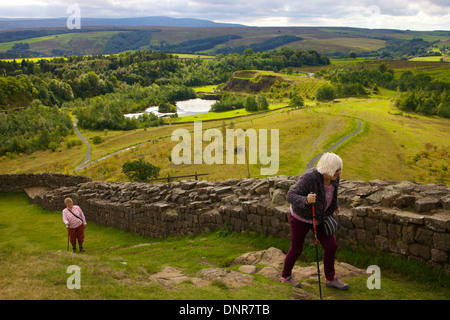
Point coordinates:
[(405, 218), (21, 182)]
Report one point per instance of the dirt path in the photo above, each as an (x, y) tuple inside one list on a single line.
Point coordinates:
[(87, 161), (334, 146), (87, 158)]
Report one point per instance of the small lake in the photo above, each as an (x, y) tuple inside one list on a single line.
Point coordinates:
[(184, 108)]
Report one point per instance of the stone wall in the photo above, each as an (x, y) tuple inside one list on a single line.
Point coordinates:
[(21, 182), (405, 218)]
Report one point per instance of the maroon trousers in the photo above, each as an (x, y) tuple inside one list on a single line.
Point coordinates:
[(299, 230), (76, 233)]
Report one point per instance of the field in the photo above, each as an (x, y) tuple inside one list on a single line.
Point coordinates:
[(326, 40), (395, 137), (393, 145), (82, 43), (118, 265)]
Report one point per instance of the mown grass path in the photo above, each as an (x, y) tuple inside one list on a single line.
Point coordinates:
[(88, 151), (334, 146)]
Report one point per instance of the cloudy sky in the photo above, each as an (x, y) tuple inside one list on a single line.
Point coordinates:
[(385, 14)]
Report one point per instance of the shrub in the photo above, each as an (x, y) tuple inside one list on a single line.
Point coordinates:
[(296, 101), (97, 140), (140, 170), (325, 93), (73, 142)]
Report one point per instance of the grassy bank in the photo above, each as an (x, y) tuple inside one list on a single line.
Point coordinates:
[(118, 264)]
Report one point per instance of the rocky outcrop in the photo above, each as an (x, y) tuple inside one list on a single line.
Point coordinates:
[(251, 81), (405, 218), (268, 263)]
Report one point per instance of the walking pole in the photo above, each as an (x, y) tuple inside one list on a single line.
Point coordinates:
[(317, 252)]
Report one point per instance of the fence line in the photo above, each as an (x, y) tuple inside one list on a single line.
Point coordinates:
[(168, 178)]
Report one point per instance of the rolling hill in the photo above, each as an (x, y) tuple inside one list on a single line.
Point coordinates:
[(117, 22), (51, 37)]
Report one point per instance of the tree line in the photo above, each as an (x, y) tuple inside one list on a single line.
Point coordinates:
[(230, 101), (418, 92), (59, 80), (35, 128), (100, 89)]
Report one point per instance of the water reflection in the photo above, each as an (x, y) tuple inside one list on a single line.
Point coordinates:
[(184, 108)]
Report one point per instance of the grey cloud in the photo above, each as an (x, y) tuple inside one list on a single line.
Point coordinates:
[(312, 12)]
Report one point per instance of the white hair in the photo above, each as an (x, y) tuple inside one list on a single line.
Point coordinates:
[(329, 163)]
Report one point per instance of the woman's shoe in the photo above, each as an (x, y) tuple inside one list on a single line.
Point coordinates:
[(335, 283), (291, 281)]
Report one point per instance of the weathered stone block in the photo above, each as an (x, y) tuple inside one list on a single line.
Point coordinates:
[(424, 236), (345, 219), (437, 222), (426, 204), (439, 256), (405, 218), (405, 201), (371, 225), (281, 212), (388, 198), (279, 196), (360, 211), (358, 222), (409, 233), (420, 250), (382, 243), (253, 218), (441, 241), (446, 202), (383, 228), (387, 214), (394, 231), (402, 248)]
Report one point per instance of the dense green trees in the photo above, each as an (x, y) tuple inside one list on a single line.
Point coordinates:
[(228, 102), (35, 128), (231, 102), (425, 102), (418, 92), (107, 111), (265, 45), (59, 80), (15, 92)]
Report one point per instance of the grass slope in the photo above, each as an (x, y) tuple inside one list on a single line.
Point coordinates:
[(118, 264), (395, 137)]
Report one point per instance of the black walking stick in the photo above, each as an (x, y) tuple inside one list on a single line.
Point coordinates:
[(317, 252)]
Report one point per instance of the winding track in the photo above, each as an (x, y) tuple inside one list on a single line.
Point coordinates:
[(87, 158), (334, 146)]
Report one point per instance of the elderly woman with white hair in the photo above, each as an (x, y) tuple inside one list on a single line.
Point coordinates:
[(319, 187)]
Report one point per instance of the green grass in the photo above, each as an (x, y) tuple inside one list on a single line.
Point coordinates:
[(394, 137), (192, 56), (207, 89), (34, 261), (433, 58), (82, 43)]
